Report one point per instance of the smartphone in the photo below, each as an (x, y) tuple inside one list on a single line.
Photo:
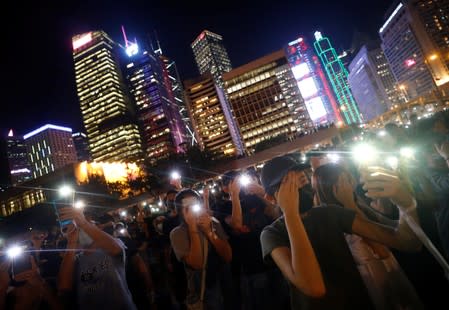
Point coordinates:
[(63, 224), (21, 264)]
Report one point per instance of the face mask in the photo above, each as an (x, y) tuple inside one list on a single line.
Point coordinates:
[(84, 239)]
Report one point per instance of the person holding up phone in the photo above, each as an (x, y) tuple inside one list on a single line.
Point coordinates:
[(95, 277), (200, 242)]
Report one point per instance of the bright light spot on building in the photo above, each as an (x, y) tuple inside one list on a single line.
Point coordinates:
[(132, 49)]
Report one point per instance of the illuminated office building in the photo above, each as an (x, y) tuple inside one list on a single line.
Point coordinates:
[(19, 169), (372, 82), (105, 104), (265, 100), (49, 148), (214, 127), (211, 55), (163, 131), (312, 83), (81, 146), (430, 24), (404, 53), (337, 75)]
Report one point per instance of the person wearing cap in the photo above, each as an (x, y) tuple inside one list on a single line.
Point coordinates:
[(310, 247)]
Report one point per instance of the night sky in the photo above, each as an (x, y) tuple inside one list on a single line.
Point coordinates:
[(37, 76)]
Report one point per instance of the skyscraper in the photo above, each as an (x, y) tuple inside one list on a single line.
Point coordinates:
[(265, 100), (405, 53), (211, 55), (105, 104), (367, 85), (81, 146), (177, 89), (19, 166), (338, 78), (430, 24), (163, 131), (49, 148), (312, 83), (211, 117)]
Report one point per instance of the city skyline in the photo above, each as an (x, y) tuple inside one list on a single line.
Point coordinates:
[(46, 34)]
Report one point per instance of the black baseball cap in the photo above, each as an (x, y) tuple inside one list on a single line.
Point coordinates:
[(275, 169), (228, 176)]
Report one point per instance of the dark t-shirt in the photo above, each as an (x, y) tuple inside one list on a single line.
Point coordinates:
[(180, 241), (325, 227)]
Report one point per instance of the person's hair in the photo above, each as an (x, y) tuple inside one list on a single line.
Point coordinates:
[(185, 193), (325, 178)]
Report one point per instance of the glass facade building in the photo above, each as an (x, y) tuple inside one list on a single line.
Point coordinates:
[(49, 148), (211, 117), (265, 100), (163, 130), (105, 103), (16, 151), (404, 54), (211, 55), (81, 146)]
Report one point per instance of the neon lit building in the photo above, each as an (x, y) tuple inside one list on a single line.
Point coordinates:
[(49, 148), (312, 84), (337, 75), (211, 55), (265, 100), (106, 107), (163, 131), (214, 126)]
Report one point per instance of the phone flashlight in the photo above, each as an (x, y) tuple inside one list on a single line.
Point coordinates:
[(79, 204), (333, 157), (393, 161), (14, 251), (407, 152), (123, 213), (196, 208), (364, 153), (244, 180), (122, 231), (175, 175)]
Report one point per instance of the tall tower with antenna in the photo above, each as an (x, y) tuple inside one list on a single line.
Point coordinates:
[(338, 78), (162, 129)]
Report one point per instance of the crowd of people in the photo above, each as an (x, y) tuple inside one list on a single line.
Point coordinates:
[(335, 228)]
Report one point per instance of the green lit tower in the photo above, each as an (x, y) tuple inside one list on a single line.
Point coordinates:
[(338, 77)]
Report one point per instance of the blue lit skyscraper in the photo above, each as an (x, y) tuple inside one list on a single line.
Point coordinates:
[(163, 131), (338, 78)]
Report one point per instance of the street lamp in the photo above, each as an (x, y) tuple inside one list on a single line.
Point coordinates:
[(433, 57)]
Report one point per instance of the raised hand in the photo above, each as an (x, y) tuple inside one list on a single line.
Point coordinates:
[(69, 213), (443, 149), (234, 187), (344, 191), (383, 183), (204, 223), (288, 194)]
